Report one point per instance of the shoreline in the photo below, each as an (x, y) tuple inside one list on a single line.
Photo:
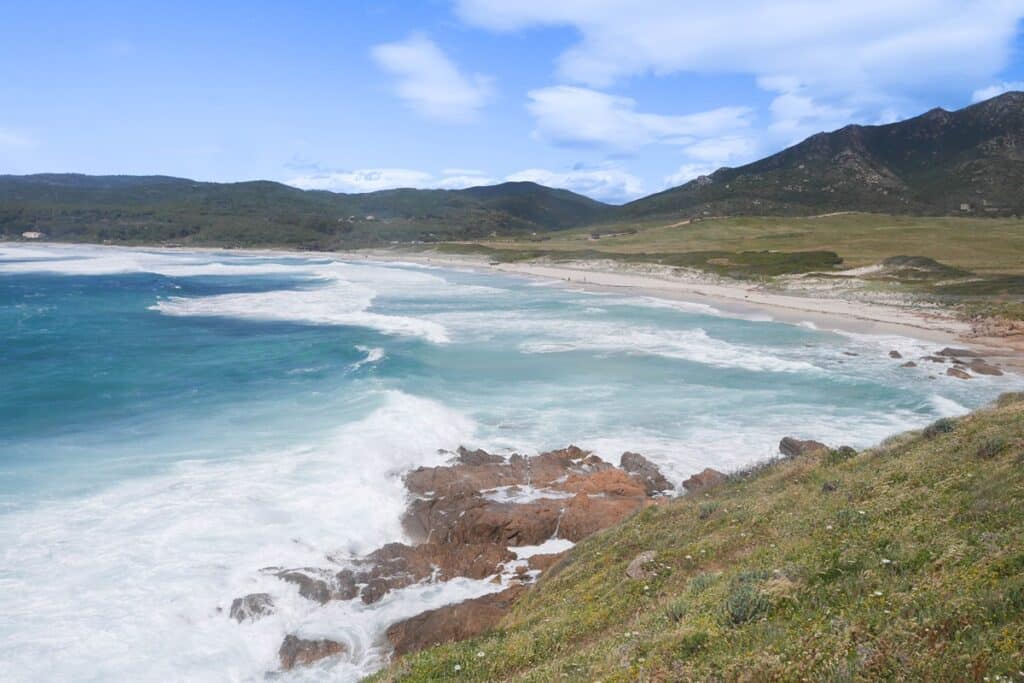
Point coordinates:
[(731, 297), (738, 299)]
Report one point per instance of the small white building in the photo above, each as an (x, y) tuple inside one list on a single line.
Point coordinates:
[(32, 235)]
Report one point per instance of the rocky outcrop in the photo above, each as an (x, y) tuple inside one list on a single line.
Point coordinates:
[(297, 651), (958, 373), (791, 447), (646, 472), (251, 607), (639, 569), (453, 622), (703, 480), (979, 367), (467, 518)]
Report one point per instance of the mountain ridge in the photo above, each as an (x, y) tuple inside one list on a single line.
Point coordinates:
[(964, 162)]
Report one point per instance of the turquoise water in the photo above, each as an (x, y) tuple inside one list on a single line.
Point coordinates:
[(170, 423)]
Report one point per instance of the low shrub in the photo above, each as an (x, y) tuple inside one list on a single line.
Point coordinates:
[(941, 426)]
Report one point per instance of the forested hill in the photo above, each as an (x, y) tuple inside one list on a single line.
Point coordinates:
[(161, 209)]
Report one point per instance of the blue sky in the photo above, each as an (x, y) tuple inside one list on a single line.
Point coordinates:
[(611, 98)]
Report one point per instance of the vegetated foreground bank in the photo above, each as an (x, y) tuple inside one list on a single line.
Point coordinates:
[(901, 562)]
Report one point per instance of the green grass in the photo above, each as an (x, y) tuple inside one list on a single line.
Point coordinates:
[(907, 565), (979, 245)]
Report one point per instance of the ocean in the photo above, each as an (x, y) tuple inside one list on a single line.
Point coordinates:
[(172, 422)]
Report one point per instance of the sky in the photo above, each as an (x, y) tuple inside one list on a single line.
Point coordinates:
[(611, 98)]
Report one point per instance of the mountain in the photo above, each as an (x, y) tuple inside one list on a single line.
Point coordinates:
[(161, 209), (969, 161)]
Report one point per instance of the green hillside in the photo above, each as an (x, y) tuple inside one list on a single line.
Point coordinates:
[(902, 562), (161, 210)]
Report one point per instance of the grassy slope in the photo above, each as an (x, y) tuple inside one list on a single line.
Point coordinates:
[(912, 568), (981, 245)]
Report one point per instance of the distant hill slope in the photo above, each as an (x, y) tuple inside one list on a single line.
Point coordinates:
[(967, 162), (930, 164), (160, 209)]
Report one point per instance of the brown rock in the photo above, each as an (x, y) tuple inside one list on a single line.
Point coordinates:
[(958, 373), (397, 565), (934, 359), (318, 585), (297, 651), (909, 364), (646, 472), (452, 622), (544, 561), (478, 457), (703, 480), (607, 482), (980, 367), (963, 353), (251, 607), (791, 447), (895, 354), (637, 569), (584, 515)]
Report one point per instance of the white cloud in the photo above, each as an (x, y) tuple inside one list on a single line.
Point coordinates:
[(795, 114), (569, 115), (429, 82), (607, 182), (374, 179), (865, 52), (996, 89)]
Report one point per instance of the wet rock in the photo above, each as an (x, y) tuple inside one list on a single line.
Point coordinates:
[(980, 367), (895, 354), (962, 353), (251, 607), (958, 373), (397, 565), (478, 457), (849, 353), (646, 472), (909, 364), (318, 585), (297, 651), (638, 569), (608, 482), (791, 447), (934, 359), (704, 479), (453, 622)]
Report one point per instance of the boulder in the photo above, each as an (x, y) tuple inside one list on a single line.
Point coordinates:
[(646, 472), (934, 359), (478, 457), (895, 354), (318, 585), (791, 447), (703, 480), (463, 620), (980, 367), (397, 565), (958, 373), (251, 607), (585, 515), (297, 651), (963, 353), (909, 364), (638, 568), (606, 482)]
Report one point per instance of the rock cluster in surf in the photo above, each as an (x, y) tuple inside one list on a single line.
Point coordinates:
[(467, 519)]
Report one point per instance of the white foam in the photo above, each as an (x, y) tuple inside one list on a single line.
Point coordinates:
[(522, 494), (125, 584), (340, 303), (373, 355), (551, 546)]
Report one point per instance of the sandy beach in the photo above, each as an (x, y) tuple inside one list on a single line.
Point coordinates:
[(928, 323)]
